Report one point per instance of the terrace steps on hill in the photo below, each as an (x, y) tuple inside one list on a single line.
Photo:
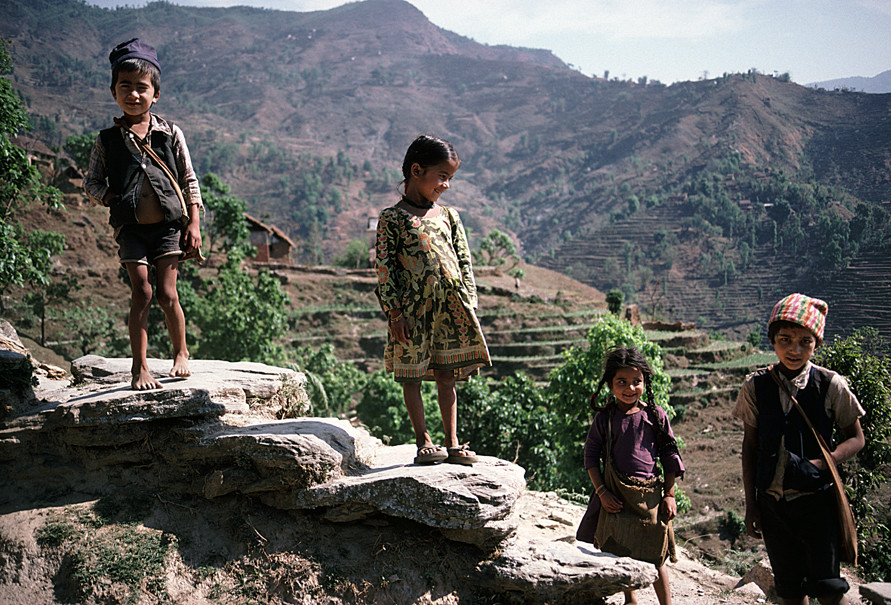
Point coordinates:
[(859, 298)]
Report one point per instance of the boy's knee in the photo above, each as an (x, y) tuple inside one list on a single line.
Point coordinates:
[(142, 294), (167, 299)]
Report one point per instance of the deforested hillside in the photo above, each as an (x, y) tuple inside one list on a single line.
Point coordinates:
[(703, 199)]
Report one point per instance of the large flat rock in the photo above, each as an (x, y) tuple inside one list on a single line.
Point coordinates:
[(469, 503)]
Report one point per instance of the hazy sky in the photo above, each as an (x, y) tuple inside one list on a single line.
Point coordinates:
[(666, 40)]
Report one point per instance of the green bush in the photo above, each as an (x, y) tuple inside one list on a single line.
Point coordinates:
[(510, 419), (572, 384), (382, 409), (333, 383), (864, 360), (614, 300)]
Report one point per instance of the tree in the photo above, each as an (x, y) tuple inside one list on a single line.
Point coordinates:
[(239, 317), (614, 300), (572, 384), (43, 298), (498, 248), (511, 419), (354, 256), (79, 147), (24, 255)]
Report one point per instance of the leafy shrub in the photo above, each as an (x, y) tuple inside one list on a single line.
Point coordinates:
[(864, 360), (572, 384), (510, 419), (732, 525), (240, 318), (354, 256), (614, 300), (382, 409), (334, 383)]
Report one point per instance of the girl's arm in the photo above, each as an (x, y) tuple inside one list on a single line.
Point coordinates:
[(386, 247), (462, 250), (607, 499), (669, 505)]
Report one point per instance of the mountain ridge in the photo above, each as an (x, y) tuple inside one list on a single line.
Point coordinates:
[(307, 116)]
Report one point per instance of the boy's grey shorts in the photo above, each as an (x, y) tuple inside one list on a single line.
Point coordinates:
[(146, 244)]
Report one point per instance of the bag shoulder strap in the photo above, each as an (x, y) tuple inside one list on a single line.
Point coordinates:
[(848, 524), (147, 149)]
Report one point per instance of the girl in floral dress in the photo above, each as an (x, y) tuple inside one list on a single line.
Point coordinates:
[(426, 287)]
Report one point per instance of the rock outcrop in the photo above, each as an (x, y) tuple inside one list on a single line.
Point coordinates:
[(215, 434)]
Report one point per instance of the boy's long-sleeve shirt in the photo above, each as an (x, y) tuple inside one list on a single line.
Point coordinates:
[(96, 186), (841, 405)]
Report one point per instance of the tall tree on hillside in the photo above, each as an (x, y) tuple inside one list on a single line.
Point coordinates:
[(24, 255)]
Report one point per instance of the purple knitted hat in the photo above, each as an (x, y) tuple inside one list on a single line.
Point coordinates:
[(133, 49)]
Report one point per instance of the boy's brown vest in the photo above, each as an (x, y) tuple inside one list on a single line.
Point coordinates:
[(125, 177)]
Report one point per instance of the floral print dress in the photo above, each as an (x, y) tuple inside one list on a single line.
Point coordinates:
[(424, 268)]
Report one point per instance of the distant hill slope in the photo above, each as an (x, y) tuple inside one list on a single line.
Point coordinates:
[(878, 84), (745, 179)]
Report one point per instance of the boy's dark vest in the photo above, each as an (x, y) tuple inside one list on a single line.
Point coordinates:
[(125, 175), (800, 442)]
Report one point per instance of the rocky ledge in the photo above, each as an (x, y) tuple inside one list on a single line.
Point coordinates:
[(215, 434)]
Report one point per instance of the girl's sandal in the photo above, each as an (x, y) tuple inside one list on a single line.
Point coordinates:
[(428, 454), (461, 455)]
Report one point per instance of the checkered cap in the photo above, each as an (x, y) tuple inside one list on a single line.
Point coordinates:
[(802, 310)]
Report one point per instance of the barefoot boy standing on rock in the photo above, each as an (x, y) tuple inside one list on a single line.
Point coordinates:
[(141, 170)]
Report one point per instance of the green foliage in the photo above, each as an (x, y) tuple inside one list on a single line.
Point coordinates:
[(336, 383), (382, 409), (754, 337), (39, 301), (864, 360), (225, 220), (572, 384), (240, 318), (517, 273), (24, 256), (496, 248), (614, 300), (510, 419), (95, 330), (732, 525), (354, 256), (79, 147)]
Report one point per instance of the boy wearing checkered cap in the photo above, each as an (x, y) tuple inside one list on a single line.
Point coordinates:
[(787, 486)]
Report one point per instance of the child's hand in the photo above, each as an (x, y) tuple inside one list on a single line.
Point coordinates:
[(399, 329), (192, 237), (610, 503), (669, 507), (753, 522)]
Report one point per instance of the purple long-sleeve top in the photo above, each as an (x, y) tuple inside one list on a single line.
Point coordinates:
[(636, 444)]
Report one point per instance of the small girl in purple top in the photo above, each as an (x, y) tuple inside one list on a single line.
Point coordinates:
[(629, 436)]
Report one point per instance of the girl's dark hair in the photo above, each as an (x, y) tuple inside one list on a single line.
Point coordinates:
[(426, 151), (140, 66), (630, 357)]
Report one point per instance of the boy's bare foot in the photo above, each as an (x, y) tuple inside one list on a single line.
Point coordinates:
[(180, 366), (144, 381)]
